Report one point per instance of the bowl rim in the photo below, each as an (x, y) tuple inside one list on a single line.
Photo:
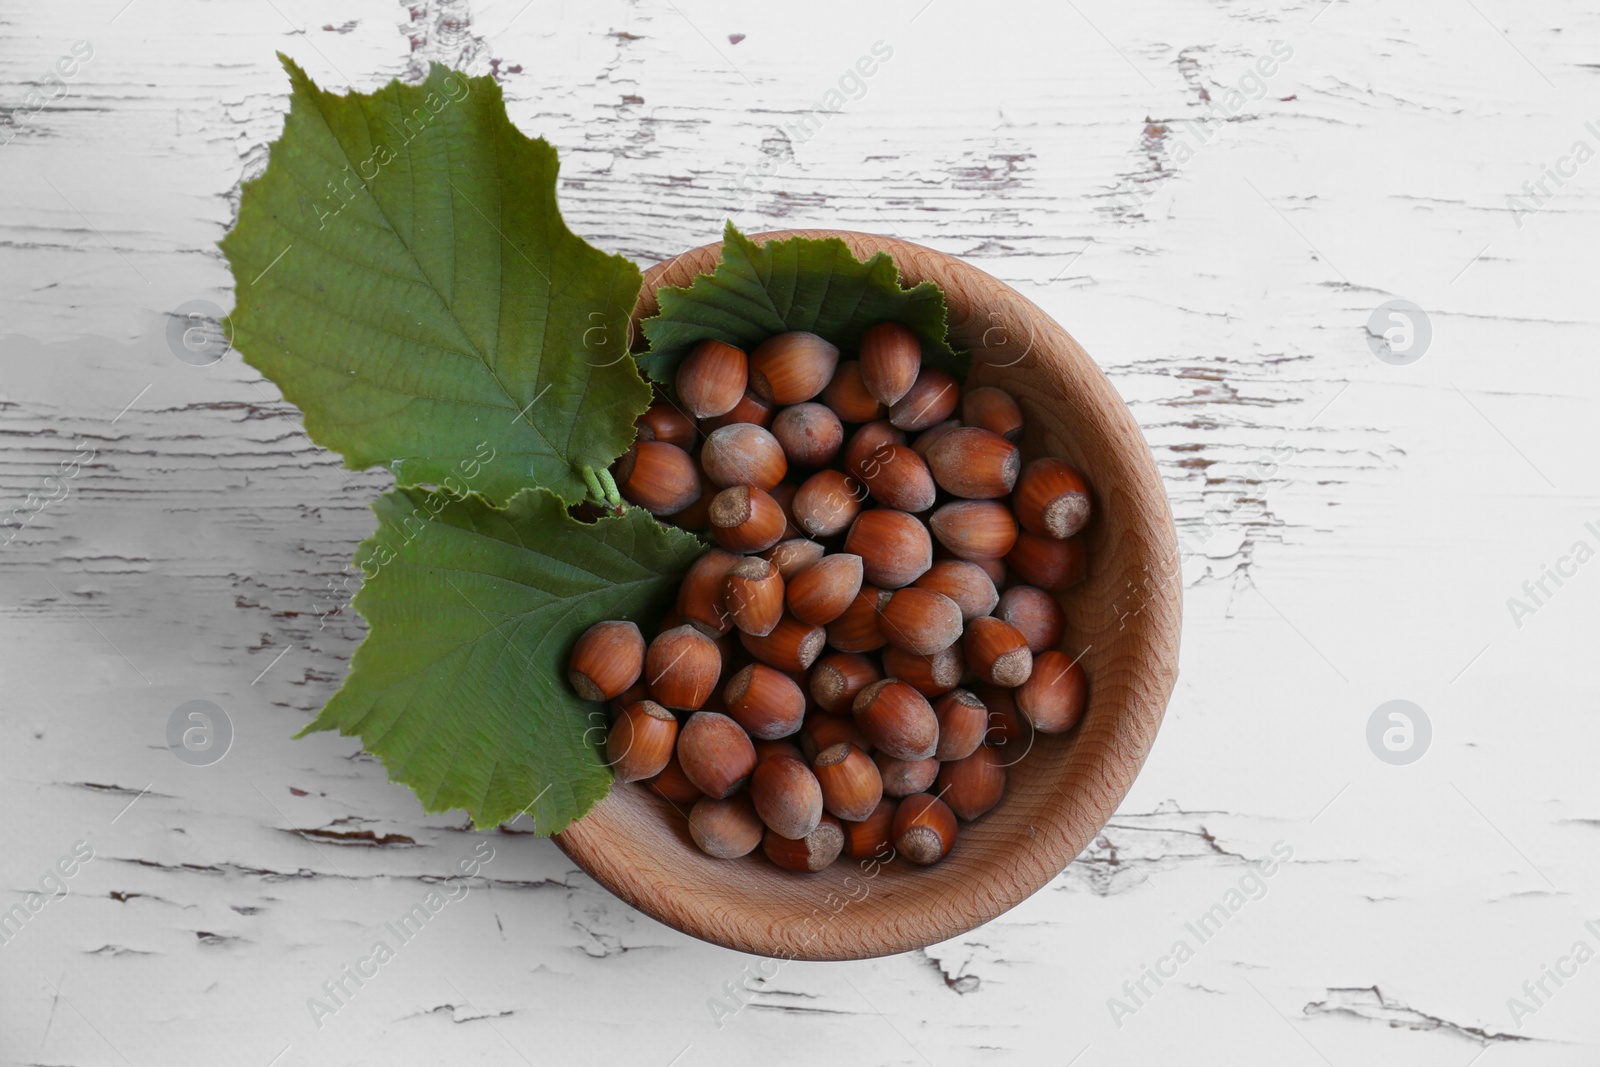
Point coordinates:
[(1119, 749)]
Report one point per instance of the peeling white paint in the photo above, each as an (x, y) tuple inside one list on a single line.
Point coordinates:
[(1357, 527)]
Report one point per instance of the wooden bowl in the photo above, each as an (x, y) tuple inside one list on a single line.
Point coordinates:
[(1123, 619)]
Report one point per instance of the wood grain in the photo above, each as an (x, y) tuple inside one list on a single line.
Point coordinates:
[(1061, 791)]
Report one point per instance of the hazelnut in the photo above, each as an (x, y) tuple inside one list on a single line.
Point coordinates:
[(975, 529), (1036, 614), (659, 477), (750, 408), (787, 796), (664, 421), (811, 434), (891, 357), (851, 787), (848, 396), (929, 675), (827, 503), (792, 367), (822, 731), (725, 828), (807, 854), (640, 742), (857, 630), (673, 785), (924, 829), (897, 719), (838, 677), (995, 569), (696, 516), (1052, 499), (1053, 698), (793, 556), (963, 722), (1008, 731), (867, 440), (716, 754), (1047, 562), (780, 746), (823, 591), (681, 668), (894, 547), (965, 582), (872, 837), (902, 777), (924, 441), (898, 478), (920, 621), (791, 646), (753, 594), (997, 652), (974, 463), (746, 519), (607, 660), (995, 410), (973, 785), (765, 701), (700, 596), (743, 454), (931, 400), (711, 379)]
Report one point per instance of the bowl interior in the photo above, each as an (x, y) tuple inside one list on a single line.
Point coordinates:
[(1123, 621)]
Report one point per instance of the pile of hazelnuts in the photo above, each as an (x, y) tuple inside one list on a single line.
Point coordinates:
[(877, 627)]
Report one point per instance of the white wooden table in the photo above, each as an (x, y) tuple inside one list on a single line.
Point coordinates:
[(1357, 529)]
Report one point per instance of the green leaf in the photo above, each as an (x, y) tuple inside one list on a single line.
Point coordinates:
[(795, 284), (460, 687), (403, 274)]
